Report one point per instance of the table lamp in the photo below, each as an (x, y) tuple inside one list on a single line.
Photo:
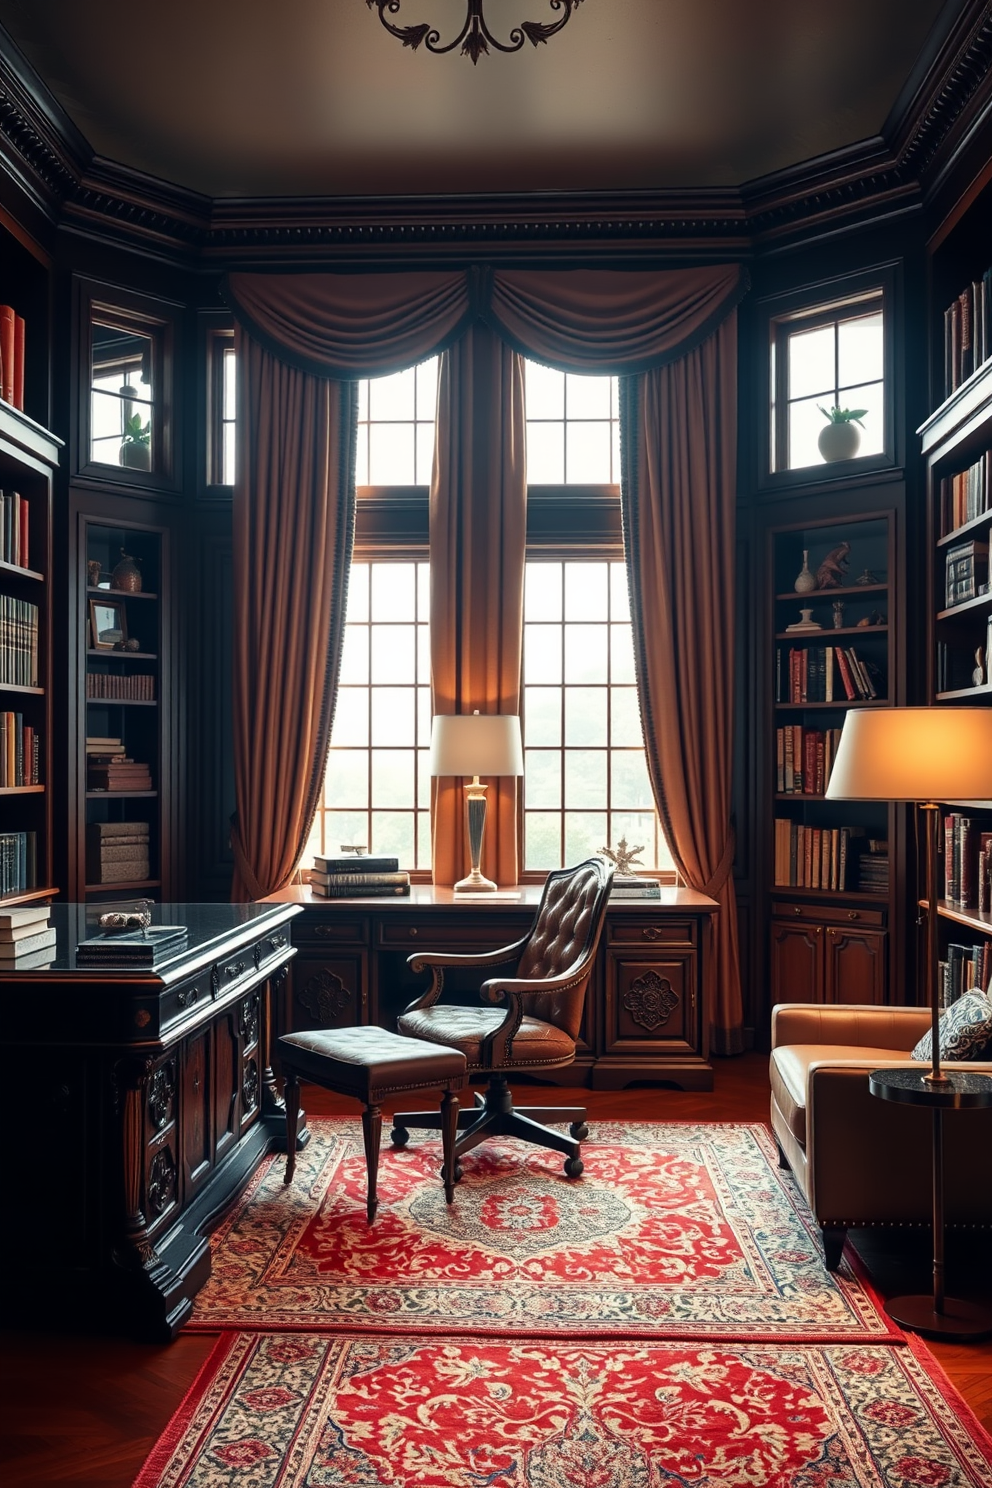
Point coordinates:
[(923, 755), (476, 744)]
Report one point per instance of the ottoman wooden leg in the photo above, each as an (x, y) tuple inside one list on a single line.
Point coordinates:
[(449, 1132), (372, 1131), (291, 1095)]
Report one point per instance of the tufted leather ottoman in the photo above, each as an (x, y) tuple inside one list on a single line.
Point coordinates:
[(371, 1064)]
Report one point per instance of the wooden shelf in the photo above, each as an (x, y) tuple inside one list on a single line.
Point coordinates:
[(984, 519), (122, 702), (96, 795), (843, 630), (15, 570), (837, 703), (107, 653), (832, 896), (816, 596), (967, 607), (14, 687), (964, 692), (27, 896), (120, 593), (980, 920), (21, 790), (127, 884)]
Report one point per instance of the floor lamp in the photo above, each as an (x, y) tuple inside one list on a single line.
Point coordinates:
[(476, 744), (926, 756)]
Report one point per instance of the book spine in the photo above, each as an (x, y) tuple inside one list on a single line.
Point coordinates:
[(361, 880), (336, 891), (7, 319), (17, 392)]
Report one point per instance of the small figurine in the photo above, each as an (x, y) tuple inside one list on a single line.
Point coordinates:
[(833, 570), (978, 675), (866, 578), (623, 856), (838, 614)]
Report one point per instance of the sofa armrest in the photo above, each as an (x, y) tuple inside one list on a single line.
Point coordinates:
[(854, 1024)]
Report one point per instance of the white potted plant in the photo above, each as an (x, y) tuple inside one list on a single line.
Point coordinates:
[(839, 439), (136, 443)]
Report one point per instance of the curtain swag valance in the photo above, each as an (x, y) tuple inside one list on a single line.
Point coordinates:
[(348, 326)]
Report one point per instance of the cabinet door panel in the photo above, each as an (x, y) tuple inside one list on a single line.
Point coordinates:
[(854, 966), (227, 1083), (330, 989), (651, 1004), (195, 1144), (796, 962)]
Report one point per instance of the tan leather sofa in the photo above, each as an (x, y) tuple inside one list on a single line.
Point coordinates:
[(860, 1160)]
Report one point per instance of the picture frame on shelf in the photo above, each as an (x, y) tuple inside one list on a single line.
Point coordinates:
[(108, 623)]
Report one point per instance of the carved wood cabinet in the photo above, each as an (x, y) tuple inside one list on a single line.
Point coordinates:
[(820, 955), (151, 1100), (647, 1009)]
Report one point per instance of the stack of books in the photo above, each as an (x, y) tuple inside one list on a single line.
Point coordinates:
[(132, 947), (117, 852), (873, 868), (110, 768), (27, 938), (629, 886), (355, 877)]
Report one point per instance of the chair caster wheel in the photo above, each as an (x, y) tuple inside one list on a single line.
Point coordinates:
[(573, 1167), (578, 1130), (458, 1172), (399, 1136)]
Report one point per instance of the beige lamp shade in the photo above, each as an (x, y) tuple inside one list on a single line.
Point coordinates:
[(914, 754), (476, 744)]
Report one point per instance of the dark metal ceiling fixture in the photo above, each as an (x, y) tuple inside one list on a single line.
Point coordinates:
[(475, 36)]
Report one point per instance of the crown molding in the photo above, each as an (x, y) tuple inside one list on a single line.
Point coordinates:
[(930, 135)]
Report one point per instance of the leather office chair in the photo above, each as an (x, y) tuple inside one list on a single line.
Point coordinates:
[(539, 1025)]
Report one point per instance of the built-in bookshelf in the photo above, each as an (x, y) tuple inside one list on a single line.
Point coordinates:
[(121, 751), (957, 447), (832, 630), (28, 456)]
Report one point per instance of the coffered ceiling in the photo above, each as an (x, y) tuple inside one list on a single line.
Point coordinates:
[(313, 97)]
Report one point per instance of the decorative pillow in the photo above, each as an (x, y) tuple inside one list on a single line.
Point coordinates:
[(964, 1029)]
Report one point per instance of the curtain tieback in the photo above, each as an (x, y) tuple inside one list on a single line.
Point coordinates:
[(716, 880)]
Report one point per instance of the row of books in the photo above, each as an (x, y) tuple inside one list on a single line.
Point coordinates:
[(117, 852), (629, 886), (966, 495), (966, 570), (966, 968), (27, 938), (20, 751), (122, 773), (18, 862), (804, 758), (12, 356), (126, 686), (873, 868), (18, 642), (353, 877), (967, 862), (967, 332), (14, 529), (824, 674), (814, 857)]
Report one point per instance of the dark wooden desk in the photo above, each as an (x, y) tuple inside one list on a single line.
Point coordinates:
[(649, 1003), (144, 1101)]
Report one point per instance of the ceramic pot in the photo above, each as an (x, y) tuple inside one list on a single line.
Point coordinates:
[(839, 441), (126, 575), (806, 580), (136, 456)]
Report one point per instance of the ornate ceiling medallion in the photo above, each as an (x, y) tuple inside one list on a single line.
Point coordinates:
[(475, 36)]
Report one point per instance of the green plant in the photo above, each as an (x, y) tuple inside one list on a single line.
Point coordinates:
[(843, 415), (135, 432)]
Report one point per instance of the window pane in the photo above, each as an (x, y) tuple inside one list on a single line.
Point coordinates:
[(860, 350), (362, 456), (585, 834), (544, 392), (870, 398), (358, 593), (585, 653), (587, 594), (355, 655), (587, 397), (619, 601), (625, 718), (392, 834), (585, 778), (542, 591), (545, 454), (587, 454), (427, 375), (392, 398), (392, 455), (425, 453), (351, 718), (811, 362), (542, 840), (585, 716), (394, 591), (631, 786), (542, 779), (805, 423), (542, 712), (393, 719), (343, 829), (347, 778), (393, 653), (393, 779), (542, 653), (622, 653)]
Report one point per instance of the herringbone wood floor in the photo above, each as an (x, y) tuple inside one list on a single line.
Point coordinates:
[(83, 1410)]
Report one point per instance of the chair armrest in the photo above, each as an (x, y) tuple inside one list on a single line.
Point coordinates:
[(515, 991), (437, 961), (856, 1023)]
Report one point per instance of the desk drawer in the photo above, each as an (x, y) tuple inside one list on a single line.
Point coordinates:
[(313, 929), (648, 932), (486, 933)]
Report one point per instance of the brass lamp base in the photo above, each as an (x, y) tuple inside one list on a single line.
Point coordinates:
[(475, 820), (474, 884)]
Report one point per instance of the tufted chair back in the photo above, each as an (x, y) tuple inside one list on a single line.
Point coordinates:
[(564, 939)]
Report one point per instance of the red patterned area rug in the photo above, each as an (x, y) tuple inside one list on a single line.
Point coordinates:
[(311, 1411), (674, 1230)]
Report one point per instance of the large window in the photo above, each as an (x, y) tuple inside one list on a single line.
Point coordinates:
[(829, 357), (396, 427), (573, 428)]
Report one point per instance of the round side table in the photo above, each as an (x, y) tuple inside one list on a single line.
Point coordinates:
[(938, 1316)]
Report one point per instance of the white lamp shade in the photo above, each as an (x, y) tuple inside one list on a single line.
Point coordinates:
[(476, 744), (914, 754)]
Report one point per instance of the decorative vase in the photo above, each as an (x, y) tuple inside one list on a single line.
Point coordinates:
[(839, 441), (838, 614), (136, 456), (806, 580), (126, 575)]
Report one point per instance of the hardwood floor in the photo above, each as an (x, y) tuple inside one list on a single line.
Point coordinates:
[(84, 1410)]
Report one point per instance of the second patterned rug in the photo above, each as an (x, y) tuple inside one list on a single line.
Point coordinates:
[(674, 1230)]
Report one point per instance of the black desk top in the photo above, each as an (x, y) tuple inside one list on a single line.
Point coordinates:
[(211, 929)]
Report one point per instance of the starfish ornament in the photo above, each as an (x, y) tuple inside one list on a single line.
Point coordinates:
[(623, 856)]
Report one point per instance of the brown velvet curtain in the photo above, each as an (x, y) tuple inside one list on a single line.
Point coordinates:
[(478, 534), (293, 534), (679, 426)]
